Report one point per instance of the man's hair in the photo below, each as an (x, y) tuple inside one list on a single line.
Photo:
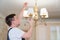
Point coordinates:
[(9, 19)]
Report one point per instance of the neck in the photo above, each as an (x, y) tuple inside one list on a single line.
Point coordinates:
[(13, 26)]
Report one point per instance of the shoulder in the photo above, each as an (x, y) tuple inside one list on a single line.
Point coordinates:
[(16, 30)]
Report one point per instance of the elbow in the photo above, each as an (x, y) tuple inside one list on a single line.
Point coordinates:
[(27, 36)]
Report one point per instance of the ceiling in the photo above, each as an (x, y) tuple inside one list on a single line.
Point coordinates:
[(14, 6)]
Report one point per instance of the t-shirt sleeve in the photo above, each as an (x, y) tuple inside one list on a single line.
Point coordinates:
[(20, 33), (17, 33)]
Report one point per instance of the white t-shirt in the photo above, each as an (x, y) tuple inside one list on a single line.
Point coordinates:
[(16, 34)]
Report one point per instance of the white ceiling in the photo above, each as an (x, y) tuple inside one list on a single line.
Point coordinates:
[(14, 6)]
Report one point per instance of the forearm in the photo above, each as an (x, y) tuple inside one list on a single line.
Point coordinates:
[(29, 33), (20, 15), (31, 27)]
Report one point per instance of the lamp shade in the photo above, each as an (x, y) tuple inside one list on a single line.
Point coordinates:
[(30, 11), (44, 12), (25, 13)]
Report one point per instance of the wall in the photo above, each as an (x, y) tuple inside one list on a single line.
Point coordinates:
[(3, 29), (41, 31)]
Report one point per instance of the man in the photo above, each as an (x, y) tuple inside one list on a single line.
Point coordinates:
[(13, 22)]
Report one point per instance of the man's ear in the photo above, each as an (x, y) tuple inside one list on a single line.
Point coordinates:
[(12, 22)]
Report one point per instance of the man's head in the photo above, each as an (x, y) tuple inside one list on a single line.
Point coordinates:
[(12, 20)]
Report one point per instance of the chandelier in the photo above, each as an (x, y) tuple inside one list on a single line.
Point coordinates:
[(35, 13)]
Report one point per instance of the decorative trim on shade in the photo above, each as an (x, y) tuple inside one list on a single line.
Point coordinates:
[(44, 12), (30, 11), (25, 13)]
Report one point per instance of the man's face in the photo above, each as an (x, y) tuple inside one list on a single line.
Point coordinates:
[(16, 21)]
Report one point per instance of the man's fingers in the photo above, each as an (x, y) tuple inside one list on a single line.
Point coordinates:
[(25, 4)]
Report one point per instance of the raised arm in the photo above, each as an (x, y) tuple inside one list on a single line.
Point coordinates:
[(29, 33), (20, 15)]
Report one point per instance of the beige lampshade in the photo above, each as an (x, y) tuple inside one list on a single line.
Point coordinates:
[(30, 11), (44, 13), (25, 13)]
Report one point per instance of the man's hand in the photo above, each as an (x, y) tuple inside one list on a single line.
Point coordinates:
[(25, 5), (30, 20)]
